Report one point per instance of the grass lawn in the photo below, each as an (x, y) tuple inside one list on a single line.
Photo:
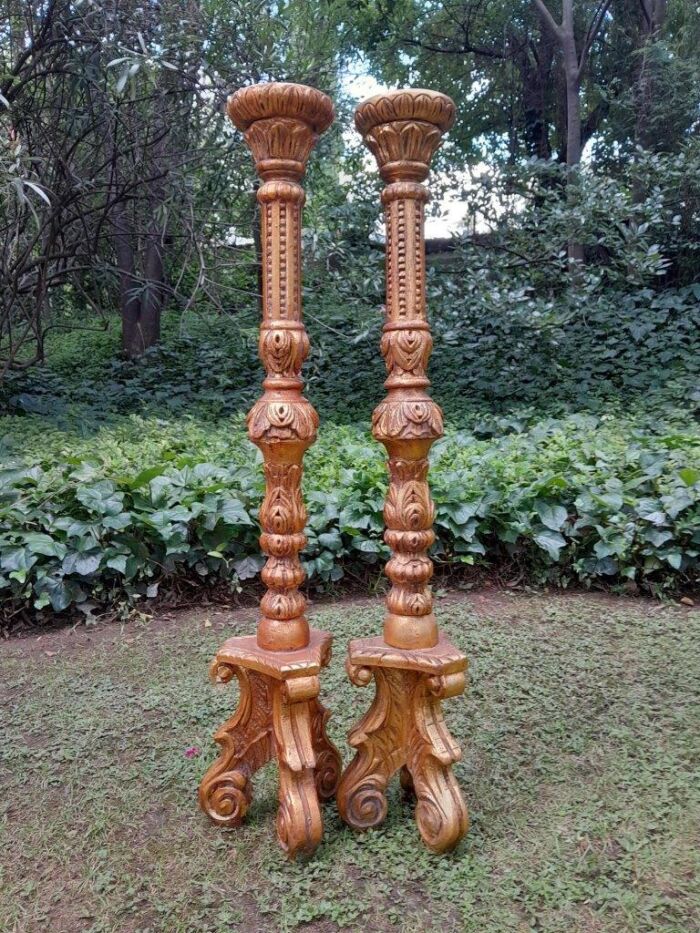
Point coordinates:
[(581, 769)]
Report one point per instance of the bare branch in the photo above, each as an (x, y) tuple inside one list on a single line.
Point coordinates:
[(592, 32), (549, 20)]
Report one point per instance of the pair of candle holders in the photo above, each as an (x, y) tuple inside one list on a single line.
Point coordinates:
[(414, 667)]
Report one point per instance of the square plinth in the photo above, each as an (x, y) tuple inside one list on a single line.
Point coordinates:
[(244, 651), (443, 658)]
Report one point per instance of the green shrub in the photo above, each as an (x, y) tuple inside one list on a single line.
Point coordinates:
[(571, 456), (578, 499)]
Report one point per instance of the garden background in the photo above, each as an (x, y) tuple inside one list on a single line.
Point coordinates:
[(564, 296)]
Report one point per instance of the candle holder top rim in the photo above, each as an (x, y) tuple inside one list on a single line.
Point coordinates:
[(277, 99), (407, 104)]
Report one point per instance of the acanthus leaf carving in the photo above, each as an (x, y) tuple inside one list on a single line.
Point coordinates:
[(412, 665), (407, 419), (279, 714), (404, 730), (283, 350), (407, 350), (423, 105), (274, 420)]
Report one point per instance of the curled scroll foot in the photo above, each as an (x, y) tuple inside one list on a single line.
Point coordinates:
[(278, 718), (404, 730)]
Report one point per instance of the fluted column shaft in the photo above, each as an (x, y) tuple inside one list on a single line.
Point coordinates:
[(403, 130), (281, 123)]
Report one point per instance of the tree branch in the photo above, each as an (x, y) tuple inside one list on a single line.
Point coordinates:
[(549, 20), (464, 49), (593, 30)]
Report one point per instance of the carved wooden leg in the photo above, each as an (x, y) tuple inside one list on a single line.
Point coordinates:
[(278, 717), (441, 813), (404, 730), (299, 822), (378, 739), (246, 745), (329, 764)]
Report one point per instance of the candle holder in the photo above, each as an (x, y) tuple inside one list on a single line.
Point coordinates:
[(279, 715), (414, 667)]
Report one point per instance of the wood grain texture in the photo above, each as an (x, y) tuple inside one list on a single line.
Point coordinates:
[(412, 665), (279, 716)]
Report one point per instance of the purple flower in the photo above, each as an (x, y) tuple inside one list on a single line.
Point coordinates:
[(191, 752)]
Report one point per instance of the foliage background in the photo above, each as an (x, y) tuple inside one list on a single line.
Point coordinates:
[(570, 391)]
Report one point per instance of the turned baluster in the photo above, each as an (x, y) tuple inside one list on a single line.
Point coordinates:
[(413, 665), (279, 715)]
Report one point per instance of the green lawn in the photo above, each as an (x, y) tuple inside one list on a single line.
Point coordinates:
[(581, 769)]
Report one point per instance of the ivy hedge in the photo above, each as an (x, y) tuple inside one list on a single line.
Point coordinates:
[(572, 452), (563, 501)]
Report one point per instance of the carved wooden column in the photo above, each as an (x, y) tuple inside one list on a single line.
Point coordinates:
[(414, 667), (279, 715)]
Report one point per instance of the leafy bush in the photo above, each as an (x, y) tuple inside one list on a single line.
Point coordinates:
[(577, 499), (571, 455)]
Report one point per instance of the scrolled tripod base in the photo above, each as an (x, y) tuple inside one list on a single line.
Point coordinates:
[(279, 717), (404, 730)]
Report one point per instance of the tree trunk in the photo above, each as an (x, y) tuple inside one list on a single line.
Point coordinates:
[(141, 302), (653, 14), (573, 148), (573, 113), (153, 297), (129, 301), (534, 62), (574, 63)]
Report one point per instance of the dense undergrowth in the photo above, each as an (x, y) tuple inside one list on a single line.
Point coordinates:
[(572, 451)]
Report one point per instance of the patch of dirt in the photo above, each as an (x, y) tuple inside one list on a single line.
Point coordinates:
[(58, 642)]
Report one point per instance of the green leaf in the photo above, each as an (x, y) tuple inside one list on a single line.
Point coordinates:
[(44, 544), (82, 564), (57, 592), (461, 514), (100, 498), (550, 541), (674, 558), (117, 562), (689, 476), (248, 567), (656, 518), (233, 512), (17, 558), (551, 515), (657, 537), (144, 477), (331, 540)]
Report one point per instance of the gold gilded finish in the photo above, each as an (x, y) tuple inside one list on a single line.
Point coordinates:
[(279, 715), (281, 123), (403, 130), (413, 666), (404, 729)]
